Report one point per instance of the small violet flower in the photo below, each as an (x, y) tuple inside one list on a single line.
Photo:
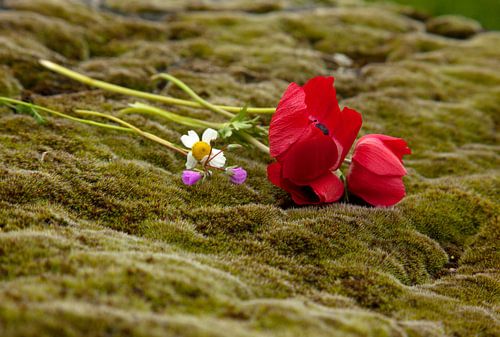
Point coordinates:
[(237, 175), (191, 177)]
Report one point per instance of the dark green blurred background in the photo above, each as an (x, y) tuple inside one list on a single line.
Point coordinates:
[(485, 11)]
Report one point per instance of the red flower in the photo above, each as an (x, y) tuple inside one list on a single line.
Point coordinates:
[(376, 172), (310, 136)]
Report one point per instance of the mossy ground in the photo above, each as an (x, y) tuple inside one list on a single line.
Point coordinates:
[(98, 235)]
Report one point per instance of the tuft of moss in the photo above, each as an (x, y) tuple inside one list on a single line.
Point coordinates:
[(449, 215), (9, 85), (453, 26), (57, 35)]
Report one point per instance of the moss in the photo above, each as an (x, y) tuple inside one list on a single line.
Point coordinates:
[(103, 33), (42, 215), (405, 46), (485, 103), (453, 26), (214, 220), (481, 289), (482, 253), (150, 6), (471, 159), (70, 11), (429, 305), (57, 35), (9, 85), (465, 214), (20, 53), (98, 235)]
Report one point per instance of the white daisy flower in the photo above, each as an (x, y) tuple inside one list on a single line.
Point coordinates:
[(200, 150)]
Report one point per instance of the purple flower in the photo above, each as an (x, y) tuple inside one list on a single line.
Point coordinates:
[(238, 175), (191, 177)]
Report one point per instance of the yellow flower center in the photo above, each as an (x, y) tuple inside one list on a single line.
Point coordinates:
[(200, 150)]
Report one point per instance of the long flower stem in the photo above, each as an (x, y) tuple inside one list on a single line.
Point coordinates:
[(193, 122), (128, 127), (136, 93), (145, 134), (188, 121), (194, 95), (184, 87), (60, 114)]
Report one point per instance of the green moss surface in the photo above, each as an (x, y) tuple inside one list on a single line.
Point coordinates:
[(98, 235)]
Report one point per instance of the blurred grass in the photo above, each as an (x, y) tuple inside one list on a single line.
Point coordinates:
[(485, 11)]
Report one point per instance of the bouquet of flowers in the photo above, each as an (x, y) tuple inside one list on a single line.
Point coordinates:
[(309, 139)]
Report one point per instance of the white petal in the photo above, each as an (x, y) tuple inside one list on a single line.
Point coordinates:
[(217, 159), (209, 135), (190, 139), (191, 161)]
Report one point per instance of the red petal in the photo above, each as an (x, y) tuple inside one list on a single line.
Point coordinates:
[(289, 121), (325, 189), (372, 153), (328, 187), (397, 145), (375, 189), (310, 157), (274, 173), (301, 195), (321, 100), (346, 129)]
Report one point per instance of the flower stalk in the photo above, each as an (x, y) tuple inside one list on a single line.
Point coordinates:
[(141, 94), (138, 131), (173, 117), (252, 140), (198, 102), (194, 95), (191, 122), (9, 101), (184, 87), (127, 127)]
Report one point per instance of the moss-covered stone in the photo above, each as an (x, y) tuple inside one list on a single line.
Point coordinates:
[(98, 235)]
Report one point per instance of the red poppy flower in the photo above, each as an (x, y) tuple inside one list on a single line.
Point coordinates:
[(310, 136), (376, 172)]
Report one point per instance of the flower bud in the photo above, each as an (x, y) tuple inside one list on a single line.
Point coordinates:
[(237, 175), (191, 177)]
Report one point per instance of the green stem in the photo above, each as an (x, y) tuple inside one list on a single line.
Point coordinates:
[(193, 122), (188, 121), (145, 134), (194, 95), (262, 147), (60, 114), (136, 93)]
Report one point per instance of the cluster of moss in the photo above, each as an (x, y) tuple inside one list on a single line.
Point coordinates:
[(98, 235)]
